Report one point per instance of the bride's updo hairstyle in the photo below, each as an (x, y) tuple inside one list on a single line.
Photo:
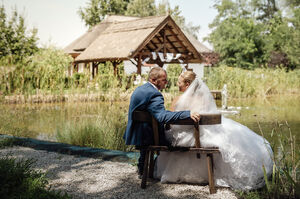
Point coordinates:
[(188, 77)]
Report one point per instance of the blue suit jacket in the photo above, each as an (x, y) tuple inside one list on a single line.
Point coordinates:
[(148, 98)]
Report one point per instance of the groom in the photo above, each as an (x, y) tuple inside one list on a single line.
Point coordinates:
[(148, 98)]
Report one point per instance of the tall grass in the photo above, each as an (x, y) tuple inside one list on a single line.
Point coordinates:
[(259, 82), (104, 132), (44, 74), (285, 179)]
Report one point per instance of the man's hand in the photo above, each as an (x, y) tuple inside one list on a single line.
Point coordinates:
[(195, 116)]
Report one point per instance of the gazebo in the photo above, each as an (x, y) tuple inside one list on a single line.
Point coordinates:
[(155, 40)]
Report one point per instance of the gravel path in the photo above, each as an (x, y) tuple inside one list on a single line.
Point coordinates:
[(84, 177)]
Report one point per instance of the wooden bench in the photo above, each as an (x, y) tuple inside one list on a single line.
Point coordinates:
[(206, 119)]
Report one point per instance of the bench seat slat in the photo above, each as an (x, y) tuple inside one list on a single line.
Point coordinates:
[(183, 149)]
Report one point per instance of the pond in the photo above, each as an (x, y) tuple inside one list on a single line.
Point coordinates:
[(43, 121)]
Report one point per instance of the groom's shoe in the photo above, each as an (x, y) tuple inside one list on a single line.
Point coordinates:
[(140, 174)]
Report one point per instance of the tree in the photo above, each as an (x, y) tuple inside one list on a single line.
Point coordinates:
[(239, 43), (16, 42), (236, 36), (96, 10), (141, 8), (292, 46), (249, 33), (164, 8), (266, 9)]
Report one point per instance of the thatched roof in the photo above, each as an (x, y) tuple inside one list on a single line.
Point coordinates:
[(123, 38), (80, 44), (120, 39)]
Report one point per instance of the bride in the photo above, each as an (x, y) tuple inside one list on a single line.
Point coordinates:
[(243, 152)]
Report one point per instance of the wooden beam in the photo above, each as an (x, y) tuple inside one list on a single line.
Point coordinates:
[(93, 69), (159, 48), (148, 47), (160, 41), (115, 66), (176, 37), (133, 62), (150, 37), (139, 64), (196, 53), (171, 43), (164, 40), (164, 45), (153, 44)]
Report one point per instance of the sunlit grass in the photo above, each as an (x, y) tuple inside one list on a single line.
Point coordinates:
[(106, 131)]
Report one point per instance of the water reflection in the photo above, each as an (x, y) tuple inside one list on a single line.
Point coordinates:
[(262, 115)]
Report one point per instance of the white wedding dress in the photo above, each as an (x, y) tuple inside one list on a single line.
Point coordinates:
[(243, 152)]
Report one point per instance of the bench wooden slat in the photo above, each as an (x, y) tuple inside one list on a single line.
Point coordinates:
[(206, 119), (201, 149)]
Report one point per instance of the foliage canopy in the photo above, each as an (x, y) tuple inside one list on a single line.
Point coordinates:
[(96, 10), (254, 33), (16, 42)]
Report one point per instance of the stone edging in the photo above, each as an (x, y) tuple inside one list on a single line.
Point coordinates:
[(110, 155)]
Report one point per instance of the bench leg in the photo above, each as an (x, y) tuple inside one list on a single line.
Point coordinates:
[(212, 188), (145, 172), (151, 166)]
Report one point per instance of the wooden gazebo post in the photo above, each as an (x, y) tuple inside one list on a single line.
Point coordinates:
[(139, 64), (115, 66), (95, 68)]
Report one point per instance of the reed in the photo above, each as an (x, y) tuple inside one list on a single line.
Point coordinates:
[(285, 179), (45, 70), (106, 131), (260, 82)]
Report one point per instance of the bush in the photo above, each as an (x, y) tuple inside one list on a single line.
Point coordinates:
[(19, 180)]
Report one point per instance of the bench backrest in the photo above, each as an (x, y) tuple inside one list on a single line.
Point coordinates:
[(206, 119)]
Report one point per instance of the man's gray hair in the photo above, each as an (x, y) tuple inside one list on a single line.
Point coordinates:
[(155, 73)]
